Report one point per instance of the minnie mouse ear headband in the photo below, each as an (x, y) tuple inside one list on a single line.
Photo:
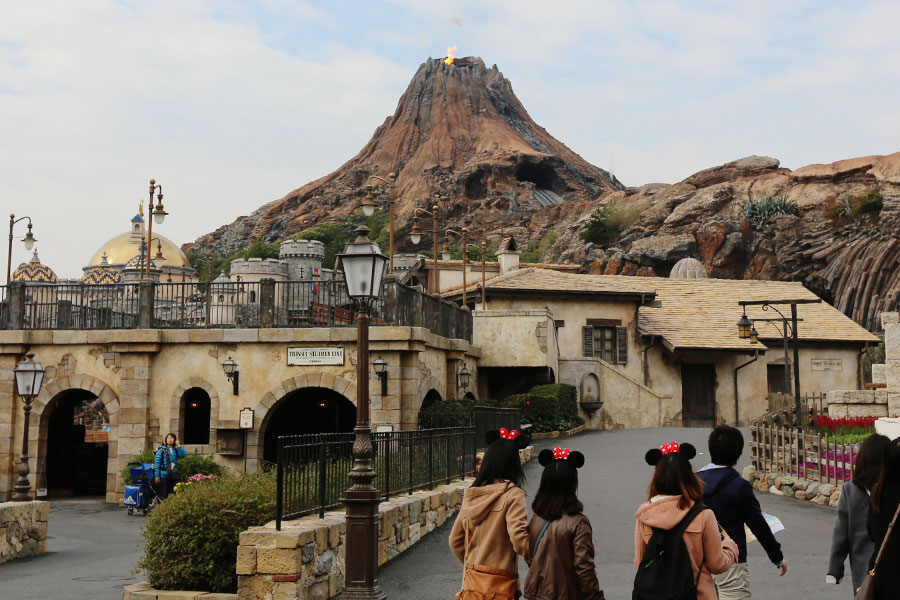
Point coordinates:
[(574, 458), (512, 435), (654, 455)]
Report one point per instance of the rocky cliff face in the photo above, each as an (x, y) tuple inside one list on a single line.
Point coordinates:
[(458, 133), (851, 261)]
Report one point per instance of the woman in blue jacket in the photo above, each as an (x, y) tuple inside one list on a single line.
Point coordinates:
[(165, 465)]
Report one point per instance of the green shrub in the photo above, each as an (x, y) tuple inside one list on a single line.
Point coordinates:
[(452, 412), (192, 464), (191, 539), (551, 407), (852, 207), (535, 250), (609, 221), (760, 210)]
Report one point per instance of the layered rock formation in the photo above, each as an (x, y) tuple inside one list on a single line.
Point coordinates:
[(460, 133), (851, 261)]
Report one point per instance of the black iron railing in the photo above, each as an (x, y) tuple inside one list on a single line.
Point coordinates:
[(313, 470), (223, 304)]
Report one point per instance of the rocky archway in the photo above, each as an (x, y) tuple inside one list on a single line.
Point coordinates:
[(262, 411), (176, 411), (39, 427)]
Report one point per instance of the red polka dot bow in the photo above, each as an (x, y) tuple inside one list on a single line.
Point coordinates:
[(508, 435), (670, 448), (561, 453)]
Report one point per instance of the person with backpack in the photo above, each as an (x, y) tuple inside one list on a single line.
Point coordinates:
[(165, 465), (732, 501), (849, 537), (562, 557), (678, 545), (491, 528)]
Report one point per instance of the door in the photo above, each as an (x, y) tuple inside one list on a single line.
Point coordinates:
[(698, 395), (775, 374)]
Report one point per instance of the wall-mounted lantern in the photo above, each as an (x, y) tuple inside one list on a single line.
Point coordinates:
[(463, 377), (744, 327), (380, 366), (231, 371)]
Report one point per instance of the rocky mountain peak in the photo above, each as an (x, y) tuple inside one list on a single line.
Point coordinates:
[(459, 133)]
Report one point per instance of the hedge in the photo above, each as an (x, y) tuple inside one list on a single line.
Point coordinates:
[(191, 538), (549, 407), (192, 464)]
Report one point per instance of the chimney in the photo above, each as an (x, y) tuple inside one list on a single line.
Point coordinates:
[(508, 255)]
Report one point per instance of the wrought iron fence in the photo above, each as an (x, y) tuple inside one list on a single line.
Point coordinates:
[(313, 470), (220, 304)]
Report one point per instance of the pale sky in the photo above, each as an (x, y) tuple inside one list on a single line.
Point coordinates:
[(233, 104)]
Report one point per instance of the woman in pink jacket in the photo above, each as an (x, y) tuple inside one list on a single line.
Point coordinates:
[(673, 491)]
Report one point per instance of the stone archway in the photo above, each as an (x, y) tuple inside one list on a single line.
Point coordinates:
[(38, 428), (176, 411), (261, 413)]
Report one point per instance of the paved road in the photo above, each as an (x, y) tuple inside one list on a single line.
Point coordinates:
[(92, 548), (612, 485)]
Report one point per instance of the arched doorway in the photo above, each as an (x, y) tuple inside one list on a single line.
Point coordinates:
[(431, 398), (304, 411), (77, 444), (195, 413)]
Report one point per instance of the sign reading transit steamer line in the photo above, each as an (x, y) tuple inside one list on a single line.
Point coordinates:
[(300, 357)]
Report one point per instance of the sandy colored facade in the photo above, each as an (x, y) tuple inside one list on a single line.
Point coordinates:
[(142, 378)]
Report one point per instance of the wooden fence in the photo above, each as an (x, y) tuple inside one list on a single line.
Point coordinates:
[(781, 408), (806, 455)]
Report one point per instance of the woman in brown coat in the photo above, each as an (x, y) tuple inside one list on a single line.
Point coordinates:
[(674, 490), (562, 560), (492, 526)]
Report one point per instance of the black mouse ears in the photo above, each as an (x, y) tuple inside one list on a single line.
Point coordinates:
[(574, 458), (654, 455)]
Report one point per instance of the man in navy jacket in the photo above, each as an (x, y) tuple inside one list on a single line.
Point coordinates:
[(731, 499)]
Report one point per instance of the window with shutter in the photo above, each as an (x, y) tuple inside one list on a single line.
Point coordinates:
[(621, 345), (588, 341)]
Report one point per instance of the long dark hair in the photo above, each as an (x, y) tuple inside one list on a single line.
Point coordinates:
[(501, 462), (869, 460), (890, 471), (675, 477), (557, 494)]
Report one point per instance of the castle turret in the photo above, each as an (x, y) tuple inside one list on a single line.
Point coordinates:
[(301, 257)]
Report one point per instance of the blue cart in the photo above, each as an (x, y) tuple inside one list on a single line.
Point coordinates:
[(140, 495)]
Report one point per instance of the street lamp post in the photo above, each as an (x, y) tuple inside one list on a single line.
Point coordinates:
[(747, 330), (159, 215), (363, 266), (28, 239), (369, 208), (415, 236), (464, 236), (29, 377)]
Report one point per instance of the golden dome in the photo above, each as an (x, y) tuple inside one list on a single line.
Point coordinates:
[(121, 249), (34, 272)]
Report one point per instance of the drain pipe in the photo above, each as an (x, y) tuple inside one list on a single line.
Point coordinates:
[(737, 419)]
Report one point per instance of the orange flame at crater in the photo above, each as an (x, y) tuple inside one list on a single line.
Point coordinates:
[(450, 50)]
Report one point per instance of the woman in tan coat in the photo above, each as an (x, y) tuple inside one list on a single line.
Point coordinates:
[(492, 526), (674, 490)]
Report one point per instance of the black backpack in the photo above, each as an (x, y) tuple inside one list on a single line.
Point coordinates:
[(665, 572)]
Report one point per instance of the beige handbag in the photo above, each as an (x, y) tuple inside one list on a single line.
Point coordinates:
[(867, 590)]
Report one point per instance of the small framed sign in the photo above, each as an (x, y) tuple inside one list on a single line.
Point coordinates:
[(826, 364), (323, 355), (246, 418)]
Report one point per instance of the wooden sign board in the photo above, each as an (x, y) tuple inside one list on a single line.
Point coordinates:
[(327, 355)]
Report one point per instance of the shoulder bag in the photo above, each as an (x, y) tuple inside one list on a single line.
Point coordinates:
[(867, 590)]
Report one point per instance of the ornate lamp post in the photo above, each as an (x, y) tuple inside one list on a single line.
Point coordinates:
[(747, 331), (29, 241), (464, 236), (29, 377), (368, 207), (159, 215), (415, 236), (363, 266)]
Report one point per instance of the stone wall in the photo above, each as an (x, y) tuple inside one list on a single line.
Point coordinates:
[(23, 529), (857, 403), (306, 558), (779, 484)]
